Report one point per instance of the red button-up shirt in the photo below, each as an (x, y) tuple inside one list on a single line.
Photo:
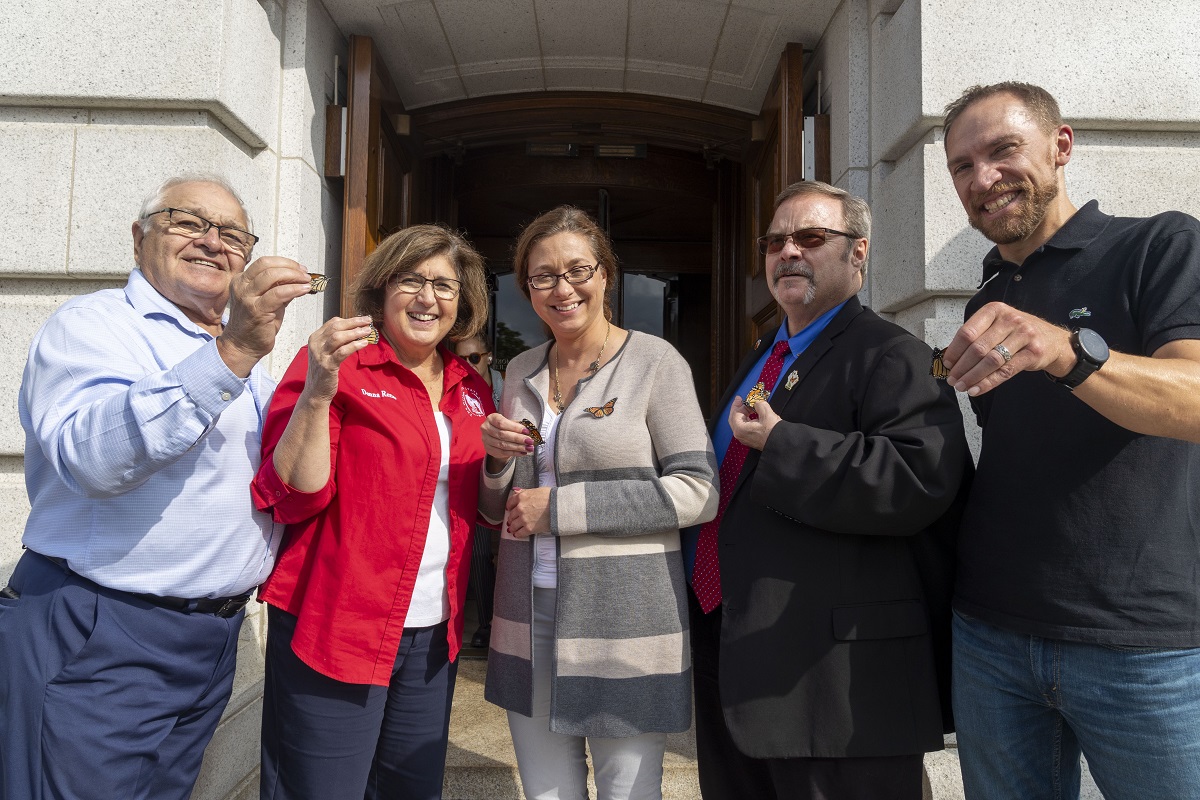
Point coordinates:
[(351, 552)]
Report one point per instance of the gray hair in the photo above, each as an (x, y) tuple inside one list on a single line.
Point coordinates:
[(854, 209), (155, 200)]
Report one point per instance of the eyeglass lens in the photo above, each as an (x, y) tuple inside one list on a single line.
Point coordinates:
[(193, 226), (412, 283), (549, 280), (809, 239), (474, 358)]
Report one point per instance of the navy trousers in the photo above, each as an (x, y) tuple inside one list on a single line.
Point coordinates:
[(103, 695), (323, 739)]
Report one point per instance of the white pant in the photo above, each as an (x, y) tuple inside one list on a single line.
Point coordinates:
[(552, 765)]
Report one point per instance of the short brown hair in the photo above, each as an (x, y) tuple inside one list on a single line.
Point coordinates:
[(855, 210), (1040, 103), (567, 219), (407, 249)]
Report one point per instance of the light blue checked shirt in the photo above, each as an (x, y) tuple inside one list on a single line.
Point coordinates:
[(140, 445)]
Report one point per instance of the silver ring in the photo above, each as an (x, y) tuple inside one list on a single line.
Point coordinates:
[(1004, 352)]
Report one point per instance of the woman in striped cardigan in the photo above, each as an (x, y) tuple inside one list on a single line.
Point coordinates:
[(598, 459)]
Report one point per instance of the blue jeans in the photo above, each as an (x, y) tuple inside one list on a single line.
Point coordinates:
[(1026, 707)]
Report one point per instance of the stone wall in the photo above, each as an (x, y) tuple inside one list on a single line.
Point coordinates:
[(104, 102)]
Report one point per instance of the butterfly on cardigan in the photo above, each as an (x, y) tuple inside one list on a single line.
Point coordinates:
[(600, 412)]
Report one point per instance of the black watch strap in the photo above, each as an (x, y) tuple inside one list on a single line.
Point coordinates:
[(1091, 353)]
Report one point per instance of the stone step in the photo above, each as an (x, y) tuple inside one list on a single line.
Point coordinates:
[(481, 764)]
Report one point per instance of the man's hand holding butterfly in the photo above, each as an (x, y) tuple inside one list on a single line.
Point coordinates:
[(752, 427), (258, 297), (328, 346), (528, 512)]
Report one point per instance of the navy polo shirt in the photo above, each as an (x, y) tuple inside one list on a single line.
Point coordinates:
[(1078, 528)]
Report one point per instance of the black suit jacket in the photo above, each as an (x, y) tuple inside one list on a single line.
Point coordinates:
[(836, 552)]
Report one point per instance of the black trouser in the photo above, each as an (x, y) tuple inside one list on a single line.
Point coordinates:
[(728, 774), (483, 573)]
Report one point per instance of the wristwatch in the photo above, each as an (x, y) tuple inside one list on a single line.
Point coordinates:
[(1091, 351)]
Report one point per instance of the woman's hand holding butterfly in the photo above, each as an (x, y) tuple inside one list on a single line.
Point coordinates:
[(502, 439), (752, 431), (528, 512), (328, 346)]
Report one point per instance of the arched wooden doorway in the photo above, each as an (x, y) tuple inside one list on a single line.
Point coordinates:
[(682, 187)]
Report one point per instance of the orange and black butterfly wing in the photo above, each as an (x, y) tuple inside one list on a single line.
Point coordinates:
[(602, 411), (938, 368), (757, 394), (533, 432)]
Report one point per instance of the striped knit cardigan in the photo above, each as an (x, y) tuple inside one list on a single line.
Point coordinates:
[(627, 482)]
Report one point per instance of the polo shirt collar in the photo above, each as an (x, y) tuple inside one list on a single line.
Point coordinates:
[(1077, 233), (148, 301)]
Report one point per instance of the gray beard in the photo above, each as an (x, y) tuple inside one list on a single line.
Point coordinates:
[(783, 271)]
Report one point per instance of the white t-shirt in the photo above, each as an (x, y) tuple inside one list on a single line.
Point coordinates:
[(545, 545), (429, 604)]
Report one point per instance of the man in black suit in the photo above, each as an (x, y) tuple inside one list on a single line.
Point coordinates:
[(820, 592)]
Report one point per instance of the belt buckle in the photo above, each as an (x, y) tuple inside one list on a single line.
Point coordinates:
[(231, 607)]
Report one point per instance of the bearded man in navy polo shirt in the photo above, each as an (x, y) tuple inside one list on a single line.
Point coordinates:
[(1077, 625)]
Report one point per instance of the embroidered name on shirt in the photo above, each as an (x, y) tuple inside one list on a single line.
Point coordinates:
[(1076, 313), (380, 393)]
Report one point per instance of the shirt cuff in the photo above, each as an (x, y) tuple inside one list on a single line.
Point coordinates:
[(208, 381)]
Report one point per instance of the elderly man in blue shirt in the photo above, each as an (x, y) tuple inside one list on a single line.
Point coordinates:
[(142, 408)]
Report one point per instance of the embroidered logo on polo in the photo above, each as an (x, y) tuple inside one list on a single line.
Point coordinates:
[(471, 403), (1076, 313)]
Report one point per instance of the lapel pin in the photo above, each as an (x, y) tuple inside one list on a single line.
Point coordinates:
[(757, 343), (792, 379)]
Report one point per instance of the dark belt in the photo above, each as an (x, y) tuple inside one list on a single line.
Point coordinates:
[(224, 607)]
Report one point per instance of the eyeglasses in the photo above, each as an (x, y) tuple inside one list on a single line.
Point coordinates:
[(412, 283), (194, 226), (475, 358), (548, 280), (805, 238)]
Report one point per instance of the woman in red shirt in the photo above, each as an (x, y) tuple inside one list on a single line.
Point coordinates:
[(371, 455)]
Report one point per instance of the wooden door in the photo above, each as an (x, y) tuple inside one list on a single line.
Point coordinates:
[(778, 161), (378, 181)]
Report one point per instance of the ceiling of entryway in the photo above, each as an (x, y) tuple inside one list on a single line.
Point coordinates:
[(721, 52)]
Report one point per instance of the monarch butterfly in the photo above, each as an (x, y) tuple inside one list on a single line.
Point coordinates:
[(317, 282), (372, 336), (938, 368), (533, 432), (600, 412), (759, 392)]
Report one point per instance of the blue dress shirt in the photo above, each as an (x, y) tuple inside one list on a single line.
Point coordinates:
[(140, 445), (723, 434)]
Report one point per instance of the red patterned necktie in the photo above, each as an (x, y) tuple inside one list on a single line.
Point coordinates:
[(706, 574)]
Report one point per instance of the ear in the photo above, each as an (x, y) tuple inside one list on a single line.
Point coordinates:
[(1064, 140), (137, 242)]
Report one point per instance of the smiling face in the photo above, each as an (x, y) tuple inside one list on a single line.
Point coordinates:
[(1007, 172), (193, 274), (415, 323), (808, 282), (570, 309)]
